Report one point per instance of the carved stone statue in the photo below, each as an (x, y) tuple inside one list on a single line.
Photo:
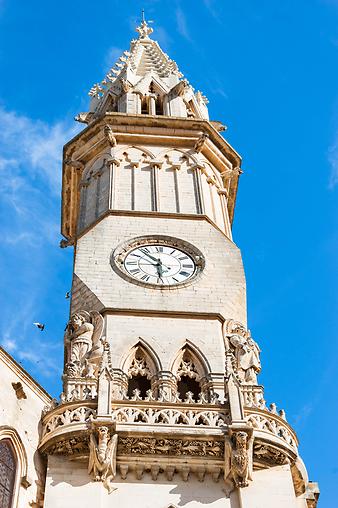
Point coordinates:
[(247, 357), (238, 462), (84, 344), (102, 457), (245, 351)]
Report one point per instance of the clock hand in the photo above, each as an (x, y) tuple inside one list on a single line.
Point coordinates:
[(149, 255)]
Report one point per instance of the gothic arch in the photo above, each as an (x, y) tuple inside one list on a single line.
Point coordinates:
[(187, 154), (149, 353), (121, 150), (199, 359), (11, 435), (191, 368), (91, 164), (141, 366)]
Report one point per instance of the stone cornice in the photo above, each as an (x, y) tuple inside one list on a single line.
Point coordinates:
[(152, 215)]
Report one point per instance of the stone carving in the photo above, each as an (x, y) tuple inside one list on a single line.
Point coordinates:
[(69, 416), (110, 136), (71, 446), (153, 446), (238, 460), (84, 344), (139, 366), (187, 368), (189, 417), (200, 142), (272, 425), (269, 455), (102, 456), (245, 351)]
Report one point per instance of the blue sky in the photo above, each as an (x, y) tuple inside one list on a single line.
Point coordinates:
[(269, 69)]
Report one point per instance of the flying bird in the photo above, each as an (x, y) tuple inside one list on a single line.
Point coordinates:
[(40, 326), (67, 295)]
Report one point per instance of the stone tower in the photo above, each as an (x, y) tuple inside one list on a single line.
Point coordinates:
[(161, 405)]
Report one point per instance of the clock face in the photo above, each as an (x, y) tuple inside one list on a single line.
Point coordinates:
[(158, 264)]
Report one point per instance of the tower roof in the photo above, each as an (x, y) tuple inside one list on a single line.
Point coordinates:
[(146, 69)]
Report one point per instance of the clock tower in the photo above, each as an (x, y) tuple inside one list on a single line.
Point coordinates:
[(161, 405)]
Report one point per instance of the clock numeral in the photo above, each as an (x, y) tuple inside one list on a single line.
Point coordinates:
[(135, 270), (187, 266), (183, 257), (145, 250), (136, 255), (159, 249), (145, 277), (184, 274), (176, 280), (131, 263)]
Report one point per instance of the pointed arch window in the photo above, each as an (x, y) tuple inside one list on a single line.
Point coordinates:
[(191, 372), (141, 370), (8, 466)]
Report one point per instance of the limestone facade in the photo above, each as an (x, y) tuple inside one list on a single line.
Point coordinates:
[(21, 401)]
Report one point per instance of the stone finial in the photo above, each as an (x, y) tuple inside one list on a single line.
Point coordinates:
[(144, 30)]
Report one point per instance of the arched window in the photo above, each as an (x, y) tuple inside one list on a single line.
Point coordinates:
[(190, 370), (141, 367), (7, 473)]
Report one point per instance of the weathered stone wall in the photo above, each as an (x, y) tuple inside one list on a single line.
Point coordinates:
[(20, 413)]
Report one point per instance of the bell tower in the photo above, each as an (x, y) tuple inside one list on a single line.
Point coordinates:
[(161, 405)]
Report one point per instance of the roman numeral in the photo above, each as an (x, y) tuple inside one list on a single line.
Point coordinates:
[(145, 277), (187, 266), (159, 249), (135, 270), (131, 263), (183, 257), (185, 274)]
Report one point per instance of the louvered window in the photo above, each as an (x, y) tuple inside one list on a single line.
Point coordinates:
[(7, 473)]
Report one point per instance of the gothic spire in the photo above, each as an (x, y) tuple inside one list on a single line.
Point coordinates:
[(142, 75)]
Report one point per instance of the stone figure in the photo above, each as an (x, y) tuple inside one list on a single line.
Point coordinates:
[(84, 343), (246, 352), (239, 461), (102, 457), (247, 358)]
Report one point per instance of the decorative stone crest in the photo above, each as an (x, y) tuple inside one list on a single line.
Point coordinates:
[(102, 456)]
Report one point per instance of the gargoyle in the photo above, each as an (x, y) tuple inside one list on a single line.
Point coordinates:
[(102, 457), (238, 459)]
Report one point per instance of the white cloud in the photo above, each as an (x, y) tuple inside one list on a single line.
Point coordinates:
[(9, 344), (112, 55), (333, 160), (182, 24), (209, 4), (34, 143)]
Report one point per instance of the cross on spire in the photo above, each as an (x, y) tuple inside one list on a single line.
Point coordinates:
[(144, 29)]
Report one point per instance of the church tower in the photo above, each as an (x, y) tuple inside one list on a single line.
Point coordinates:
[(161, 405)]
